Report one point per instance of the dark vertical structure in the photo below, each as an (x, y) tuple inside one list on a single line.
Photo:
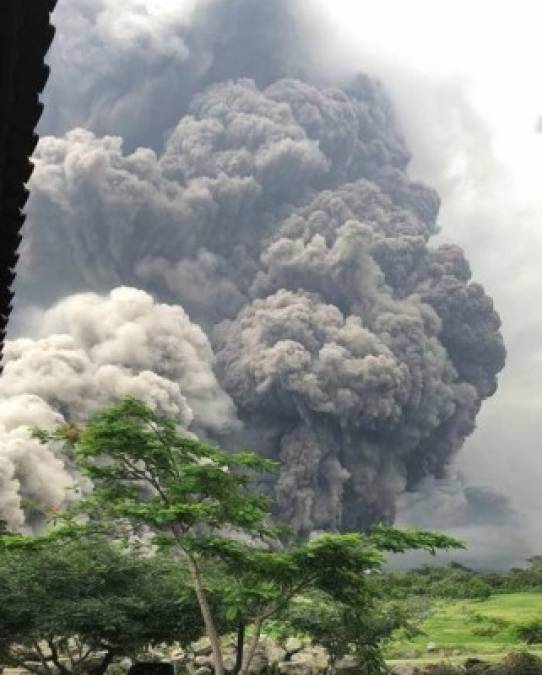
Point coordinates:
[(25, 36)]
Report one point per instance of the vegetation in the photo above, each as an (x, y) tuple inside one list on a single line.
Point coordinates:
[(523, 663), (71, 607), (516, 663), (531, 632), (199, 504), (463, 628), (213, 562), (340, 629), (456, 581)]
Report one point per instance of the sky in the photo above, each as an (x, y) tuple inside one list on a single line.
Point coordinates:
[(490, 49), (465, 80)]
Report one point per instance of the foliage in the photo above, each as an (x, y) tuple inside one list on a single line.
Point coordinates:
[(516, 663), (452, 581), (521, 579), (523, 663), (199, 501), (72, 606), (531, 632), (471, 627), (339, 626), (455, 581)]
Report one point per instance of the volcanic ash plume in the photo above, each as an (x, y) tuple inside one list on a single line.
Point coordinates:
[(496, 533), (280, 215), (93, 351)]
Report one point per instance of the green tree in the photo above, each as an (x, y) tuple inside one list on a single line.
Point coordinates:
[(198, 501), (261, 584), (70, 607), (358, 625)]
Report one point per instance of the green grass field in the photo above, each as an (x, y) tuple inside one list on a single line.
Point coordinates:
[(458, 629)]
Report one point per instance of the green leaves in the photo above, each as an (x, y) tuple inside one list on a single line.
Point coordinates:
[(398, 541), (90, 589), (148, 472), (201, 501)]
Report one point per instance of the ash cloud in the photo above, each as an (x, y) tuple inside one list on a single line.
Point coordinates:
[(30, 473), (93, 350), (487, 520), (277, 209), (152, 56)]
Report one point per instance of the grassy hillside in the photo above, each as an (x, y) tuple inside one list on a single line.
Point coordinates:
[(469, 627)]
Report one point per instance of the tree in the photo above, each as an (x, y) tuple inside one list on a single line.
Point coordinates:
[(261, 584), (199, 501), (146, 472), (353, 625), (72, 606)]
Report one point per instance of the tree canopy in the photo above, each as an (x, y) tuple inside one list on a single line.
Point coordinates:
[(200, 503), (72, 606)]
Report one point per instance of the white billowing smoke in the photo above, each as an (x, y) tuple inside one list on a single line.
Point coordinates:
[(29, 472), (94, 350), (229, 176)]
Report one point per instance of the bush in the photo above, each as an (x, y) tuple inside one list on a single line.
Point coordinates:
[(472, 588), (443, 669), (530, 632), (523, 663), (487, 626), (453, 581), (486, 630)]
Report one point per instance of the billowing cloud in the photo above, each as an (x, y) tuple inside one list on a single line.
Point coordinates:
[(94, 350), (479, 516), (231, 177), (31, 475), (153, 56)]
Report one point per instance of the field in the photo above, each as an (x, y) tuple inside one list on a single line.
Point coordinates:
[(457, 629)]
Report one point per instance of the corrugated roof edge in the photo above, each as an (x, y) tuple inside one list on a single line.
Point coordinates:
[(26, 33)]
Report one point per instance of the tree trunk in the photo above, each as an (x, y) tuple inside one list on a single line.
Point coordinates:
[(240, 648), (210, 627), (252, 646)]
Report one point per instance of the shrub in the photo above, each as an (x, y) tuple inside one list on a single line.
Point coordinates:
[(443, 669), (486, 630), (523, 663), (453, 582), (530, 632), (487, 626)]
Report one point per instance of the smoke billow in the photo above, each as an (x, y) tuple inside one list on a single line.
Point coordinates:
[(132, 69), (495, 531), (279, 213), (93, 350)]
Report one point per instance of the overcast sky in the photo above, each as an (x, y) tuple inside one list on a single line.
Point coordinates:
[(465, 78)]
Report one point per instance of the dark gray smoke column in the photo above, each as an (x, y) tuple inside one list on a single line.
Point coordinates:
[(281, 216)]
